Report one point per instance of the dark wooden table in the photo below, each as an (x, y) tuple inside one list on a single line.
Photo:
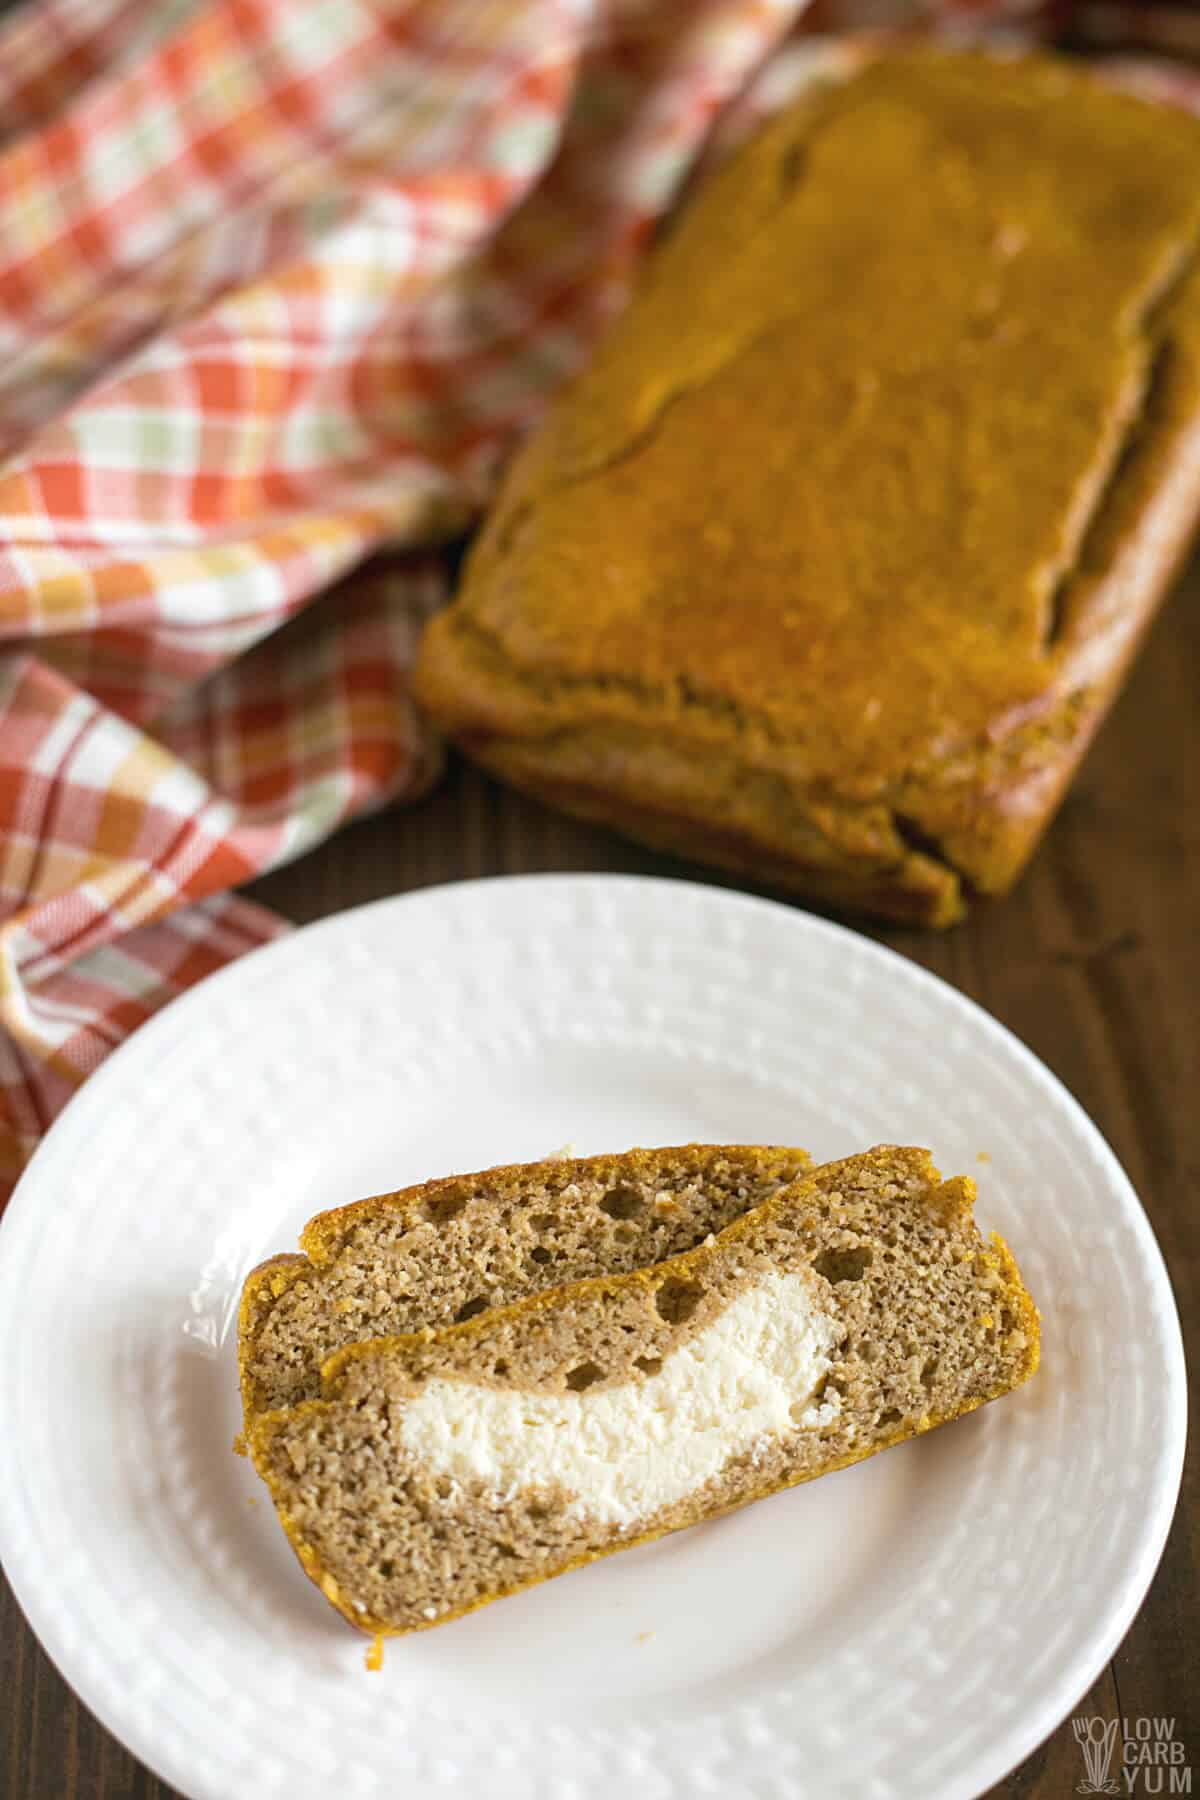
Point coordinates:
[(1094, 961)]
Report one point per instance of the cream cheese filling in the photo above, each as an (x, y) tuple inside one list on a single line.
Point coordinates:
[(623, 1453)]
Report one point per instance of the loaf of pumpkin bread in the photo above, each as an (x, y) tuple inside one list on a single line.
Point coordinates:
[(447, 1468), (830, 565)]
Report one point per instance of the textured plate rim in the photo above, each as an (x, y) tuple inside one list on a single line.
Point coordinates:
[(1010, 1746)]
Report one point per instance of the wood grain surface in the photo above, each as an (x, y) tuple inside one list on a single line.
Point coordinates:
[(1094, 961)]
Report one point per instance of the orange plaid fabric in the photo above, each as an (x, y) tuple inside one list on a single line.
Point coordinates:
[(280, 286)]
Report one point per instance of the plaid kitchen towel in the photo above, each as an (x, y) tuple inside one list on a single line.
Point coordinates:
[(280, 285)]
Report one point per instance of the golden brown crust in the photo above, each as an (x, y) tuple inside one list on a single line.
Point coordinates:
[(830, 574), (949, 1200), (260, 1290), (680, 813)]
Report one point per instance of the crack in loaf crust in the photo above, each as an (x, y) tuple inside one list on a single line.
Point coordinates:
[(446, 1249), (923, 1322), (830, 573)]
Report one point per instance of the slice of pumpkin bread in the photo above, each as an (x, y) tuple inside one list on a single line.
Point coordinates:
[(444, 1469), (444, 1250)]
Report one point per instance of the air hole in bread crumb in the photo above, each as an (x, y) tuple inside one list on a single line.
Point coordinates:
[(471, 1309), (649, 1365), (622, 1203), (542, 1221), (677, 1300), (843, 1265), (892, 1416), (928, 1372), (584, 1377), (540, 1254), (447, 1207), (500, 1367)]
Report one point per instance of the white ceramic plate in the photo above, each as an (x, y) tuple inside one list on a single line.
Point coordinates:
[(911, 1627)]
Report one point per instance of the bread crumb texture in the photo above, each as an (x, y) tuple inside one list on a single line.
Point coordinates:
[(446, 1250)]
